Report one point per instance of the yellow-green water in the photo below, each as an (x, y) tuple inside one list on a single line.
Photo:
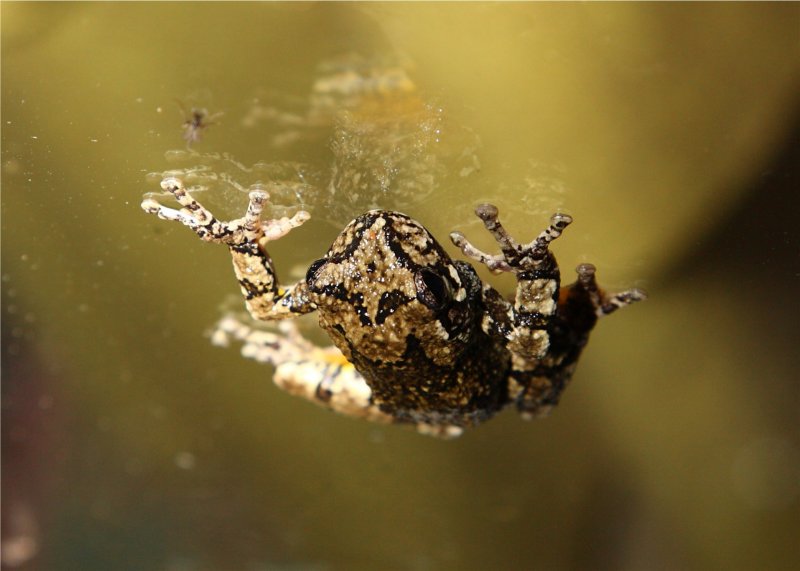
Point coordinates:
[(130, 443)]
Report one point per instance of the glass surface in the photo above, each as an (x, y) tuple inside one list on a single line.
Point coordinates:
[(669, 133)]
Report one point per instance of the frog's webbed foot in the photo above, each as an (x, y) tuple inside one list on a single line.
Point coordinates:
[(283, 344), (319, 374), (246, 230), (515, 257)]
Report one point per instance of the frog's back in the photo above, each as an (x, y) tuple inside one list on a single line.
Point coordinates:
[(408, 318)]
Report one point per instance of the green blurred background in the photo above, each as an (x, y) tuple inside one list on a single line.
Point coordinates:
[(669, 132)]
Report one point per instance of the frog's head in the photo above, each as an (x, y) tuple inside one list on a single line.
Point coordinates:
[(385, 283)]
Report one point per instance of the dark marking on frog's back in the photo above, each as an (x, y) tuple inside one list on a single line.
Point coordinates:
[(389, 303)]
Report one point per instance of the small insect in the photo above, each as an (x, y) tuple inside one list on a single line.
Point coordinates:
[(419, 338), (195, 122)]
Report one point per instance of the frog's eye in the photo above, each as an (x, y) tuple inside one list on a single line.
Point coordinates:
[(432, 289)]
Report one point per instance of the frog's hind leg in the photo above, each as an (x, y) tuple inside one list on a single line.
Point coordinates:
[(321, 375), (580, 305)]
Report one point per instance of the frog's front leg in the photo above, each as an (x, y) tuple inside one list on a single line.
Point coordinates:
[(547, 326), (538, 279), (246, 238)]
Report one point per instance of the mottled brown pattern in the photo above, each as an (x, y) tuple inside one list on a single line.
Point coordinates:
[(431, 344)]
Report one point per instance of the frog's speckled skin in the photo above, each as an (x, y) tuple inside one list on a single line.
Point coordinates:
[(426, 341)]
